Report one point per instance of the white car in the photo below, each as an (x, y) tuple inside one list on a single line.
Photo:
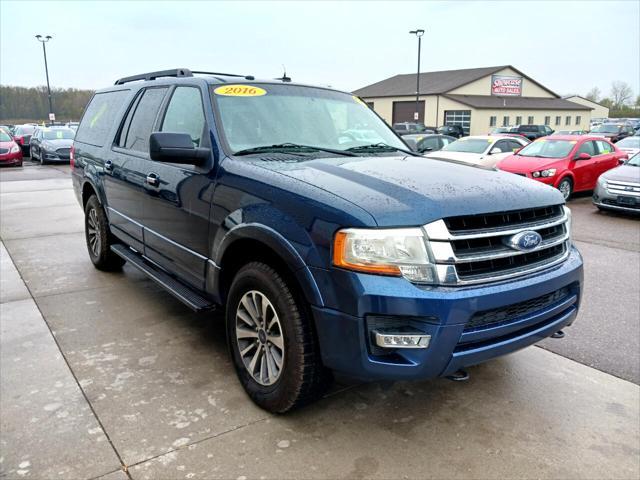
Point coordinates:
[(630, 145), (482, 150)]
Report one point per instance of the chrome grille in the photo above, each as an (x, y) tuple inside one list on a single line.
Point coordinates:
[(63, 152), (623, 188), (3, 151), (474, 249)]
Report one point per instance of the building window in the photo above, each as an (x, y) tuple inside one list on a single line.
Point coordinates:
[(567, 120), (547, 120), (518, 120), (558, 120), (530, 120), (505, 121), (493, 121), (578, 119)]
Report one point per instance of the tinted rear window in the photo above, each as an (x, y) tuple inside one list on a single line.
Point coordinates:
[(99, 117)]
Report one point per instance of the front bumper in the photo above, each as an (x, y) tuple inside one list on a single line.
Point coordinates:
[(11, 159), (614, 201), (442, 313)]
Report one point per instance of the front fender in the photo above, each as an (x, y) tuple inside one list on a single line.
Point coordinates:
[(276, 242)]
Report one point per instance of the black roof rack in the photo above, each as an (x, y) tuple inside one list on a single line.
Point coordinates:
[(177, 72)]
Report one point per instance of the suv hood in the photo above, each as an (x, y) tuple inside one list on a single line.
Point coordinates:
[(408, 191)]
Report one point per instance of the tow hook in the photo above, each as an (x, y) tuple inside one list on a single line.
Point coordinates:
[(558, 334), (459, 376)]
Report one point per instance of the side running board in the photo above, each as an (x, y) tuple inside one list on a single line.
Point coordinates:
[(186, 295)]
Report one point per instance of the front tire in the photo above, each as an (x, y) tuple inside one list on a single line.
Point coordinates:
[(272, 342), (566, 187), (98, 237)]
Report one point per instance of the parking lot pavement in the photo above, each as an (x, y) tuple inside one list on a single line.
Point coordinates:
[(158, 380), (606, 334)]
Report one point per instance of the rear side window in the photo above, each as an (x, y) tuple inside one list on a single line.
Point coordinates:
[(185, 114), (141, 120), (99, 116), (604, 147)]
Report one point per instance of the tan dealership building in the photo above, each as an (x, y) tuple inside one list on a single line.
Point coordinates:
[(476, 98)]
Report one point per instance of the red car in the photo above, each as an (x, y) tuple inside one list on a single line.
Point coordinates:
[(10, 151), (570, 163)]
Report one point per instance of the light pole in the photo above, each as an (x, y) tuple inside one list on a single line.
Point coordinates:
[(46, 68), (418, 33)]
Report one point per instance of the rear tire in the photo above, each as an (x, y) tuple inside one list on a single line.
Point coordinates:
[(99, 238), (272, 342), (566, 187)]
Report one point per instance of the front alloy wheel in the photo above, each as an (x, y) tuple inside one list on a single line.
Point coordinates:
[(565, 188), (259, 337)]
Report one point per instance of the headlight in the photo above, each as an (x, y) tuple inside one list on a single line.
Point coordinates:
[(544, 173), (602, 182), (15, 149), (567, 211), (396, 252)]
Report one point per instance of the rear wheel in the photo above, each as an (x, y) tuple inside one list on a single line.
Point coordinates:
[(272, 342), (98, 237), (566, 187)]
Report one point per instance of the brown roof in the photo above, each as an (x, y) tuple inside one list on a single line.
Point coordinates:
[(430, 82), (521, 103), (433, 83)]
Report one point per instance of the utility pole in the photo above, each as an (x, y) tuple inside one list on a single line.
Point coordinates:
[(418, 33), (46, 69)]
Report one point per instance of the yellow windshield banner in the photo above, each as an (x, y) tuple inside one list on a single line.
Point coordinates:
[(240, 91)]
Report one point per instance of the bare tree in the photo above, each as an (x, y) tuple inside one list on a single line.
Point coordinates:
[(621, 93), (593, 94)]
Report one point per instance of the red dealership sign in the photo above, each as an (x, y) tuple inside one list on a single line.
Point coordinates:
[(506, 85)]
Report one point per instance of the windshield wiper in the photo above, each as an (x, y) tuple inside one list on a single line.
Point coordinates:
[(289, 147), (380, 147)]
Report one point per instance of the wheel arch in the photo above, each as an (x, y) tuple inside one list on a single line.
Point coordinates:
[(249, 243)]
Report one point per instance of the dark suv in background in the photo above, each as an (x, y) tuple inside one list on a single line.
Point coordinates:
[(328, 252), (532, 132), (408, 128), (456, 131)]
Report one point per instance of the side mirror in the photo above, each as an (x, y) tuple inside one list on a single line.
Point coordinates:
[(176, 148), (583, 156), (426, 149)]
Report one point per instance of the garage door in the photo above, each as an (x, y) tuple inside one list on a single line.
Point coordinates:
[(458, 117), (403, 111)]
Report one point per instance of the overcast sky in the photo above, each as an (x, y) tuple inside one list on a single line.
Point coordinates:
[(567, 46)]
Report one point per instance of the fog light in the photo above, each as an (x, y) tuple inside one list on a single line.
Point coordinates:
[(400, 339)]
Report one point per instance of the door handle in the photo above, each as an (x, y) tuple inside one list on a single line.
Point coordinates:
[(108, 166), (153, 179)]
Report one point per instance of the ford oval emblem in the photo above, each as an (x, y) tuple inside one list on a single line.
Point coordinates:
[(524, 241)]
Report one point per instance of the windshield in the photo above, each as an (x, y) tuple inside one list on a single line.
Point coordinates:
[(264, 115), (468, 145), (26, 130), (4, 136), (635, 160), (607, 128), (58, 134), (548, 148), (629, 142)]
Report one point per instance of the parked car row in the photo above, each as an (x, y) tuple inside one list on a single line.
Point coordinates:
[(570, 163), (50, 143)]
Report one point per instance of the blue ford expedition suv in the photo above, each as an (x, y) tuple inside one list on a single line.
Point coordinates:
[(331, 246)]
